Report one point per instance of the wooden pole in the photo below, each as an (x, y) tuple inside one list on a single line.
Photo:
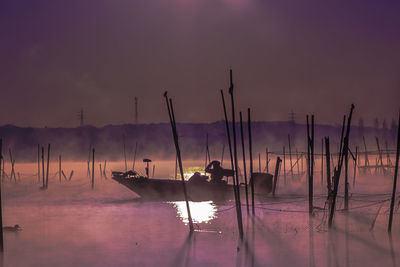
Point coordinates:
[(126, 166), (154, 169), (222, 156), (134, 157), (396, 169), (290, 156), (251, 161), (44, 182), (278, 161), (206, 159), (101, 171), (235, 154), (337, 171), (388, 161), (259, 162), (366, 155), (93, 168), (297, 158), (1, 208), (178, 154), (48, 165), (346, 181), (59, 168), (380, 156), (284, 166), (302, 162), (88, 162), (266, 160), (355, 167), (12, 173), (328, 170), (104, 169), (322, 161), (38, 162), (244, 163), (231, 157), (341, 137), (310, 162), (208, 150)]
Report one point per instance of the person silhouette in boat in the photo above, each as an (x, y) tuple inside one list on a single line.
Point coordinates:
[(217, 172)]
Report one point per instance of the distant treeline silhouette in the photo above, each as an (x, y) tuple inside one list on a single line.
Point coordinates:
[(155, 140)]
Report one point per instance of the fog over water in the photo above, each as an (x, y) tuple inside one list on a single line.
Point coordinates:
[(70, 224)]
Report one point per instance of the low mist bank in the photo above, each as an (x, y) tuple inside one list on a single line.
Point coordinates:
[(155, 140)]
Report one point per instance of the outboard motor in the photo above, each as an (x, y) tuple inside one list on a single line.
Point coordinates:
[(147, 166)]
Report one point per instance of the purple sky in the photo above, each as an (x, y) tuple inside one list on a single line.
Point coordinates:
[(309, 56)]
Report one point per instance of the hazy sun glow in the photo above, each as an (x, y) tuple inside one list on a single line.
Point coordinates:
[(201, 212)]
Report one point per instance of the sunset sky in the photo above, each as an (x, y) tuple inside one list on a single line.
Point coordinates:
[(310, 56)]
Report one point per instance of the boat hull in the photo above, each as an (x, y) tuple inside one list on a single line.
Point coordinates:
[(172, 190)]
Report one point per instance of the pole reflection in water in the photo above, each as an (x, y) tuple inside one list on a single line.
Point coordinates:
[(202, 212)]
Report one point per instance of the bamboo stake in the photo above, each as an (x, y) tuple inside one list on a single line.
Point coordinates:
[(206, 161), (284, 166), (388, 161), (339, 168), (396, 168), (93, 168), (297, 161), (134, 157), (346, 181), (38, 162), (290, 156), (341, 138), (251, 161), (48, 164), (278, 161), (310, 167), (178, 154), (126, 166), (244, 163), (222, 156), (59, 168), (12, 173), (366, 156), (104, 169), (231, 157), (355, 167), (328, 170), (235, 155), (322, 161), (44, 182), (88, 162), (380, 155)]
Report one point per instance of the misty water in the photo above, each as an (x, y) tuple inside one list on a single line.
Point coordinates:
[(71, 225)]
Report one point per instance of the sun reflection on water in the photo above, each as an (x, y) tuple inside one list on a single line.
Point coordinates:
[(201, 212)]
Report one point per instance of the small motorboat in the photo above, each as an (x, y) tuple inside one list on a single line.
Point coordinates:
[(198, 187)]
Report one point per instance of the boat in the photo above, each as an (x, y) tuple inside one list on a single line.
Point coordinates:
[(198, 188)]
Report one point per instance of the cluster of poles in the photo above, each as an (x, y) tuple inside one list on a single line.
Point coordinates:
[(332, 181), (233, 152)]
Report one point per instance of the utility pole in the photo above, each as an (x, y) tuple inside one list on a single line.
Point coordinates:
[(80, 116)]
